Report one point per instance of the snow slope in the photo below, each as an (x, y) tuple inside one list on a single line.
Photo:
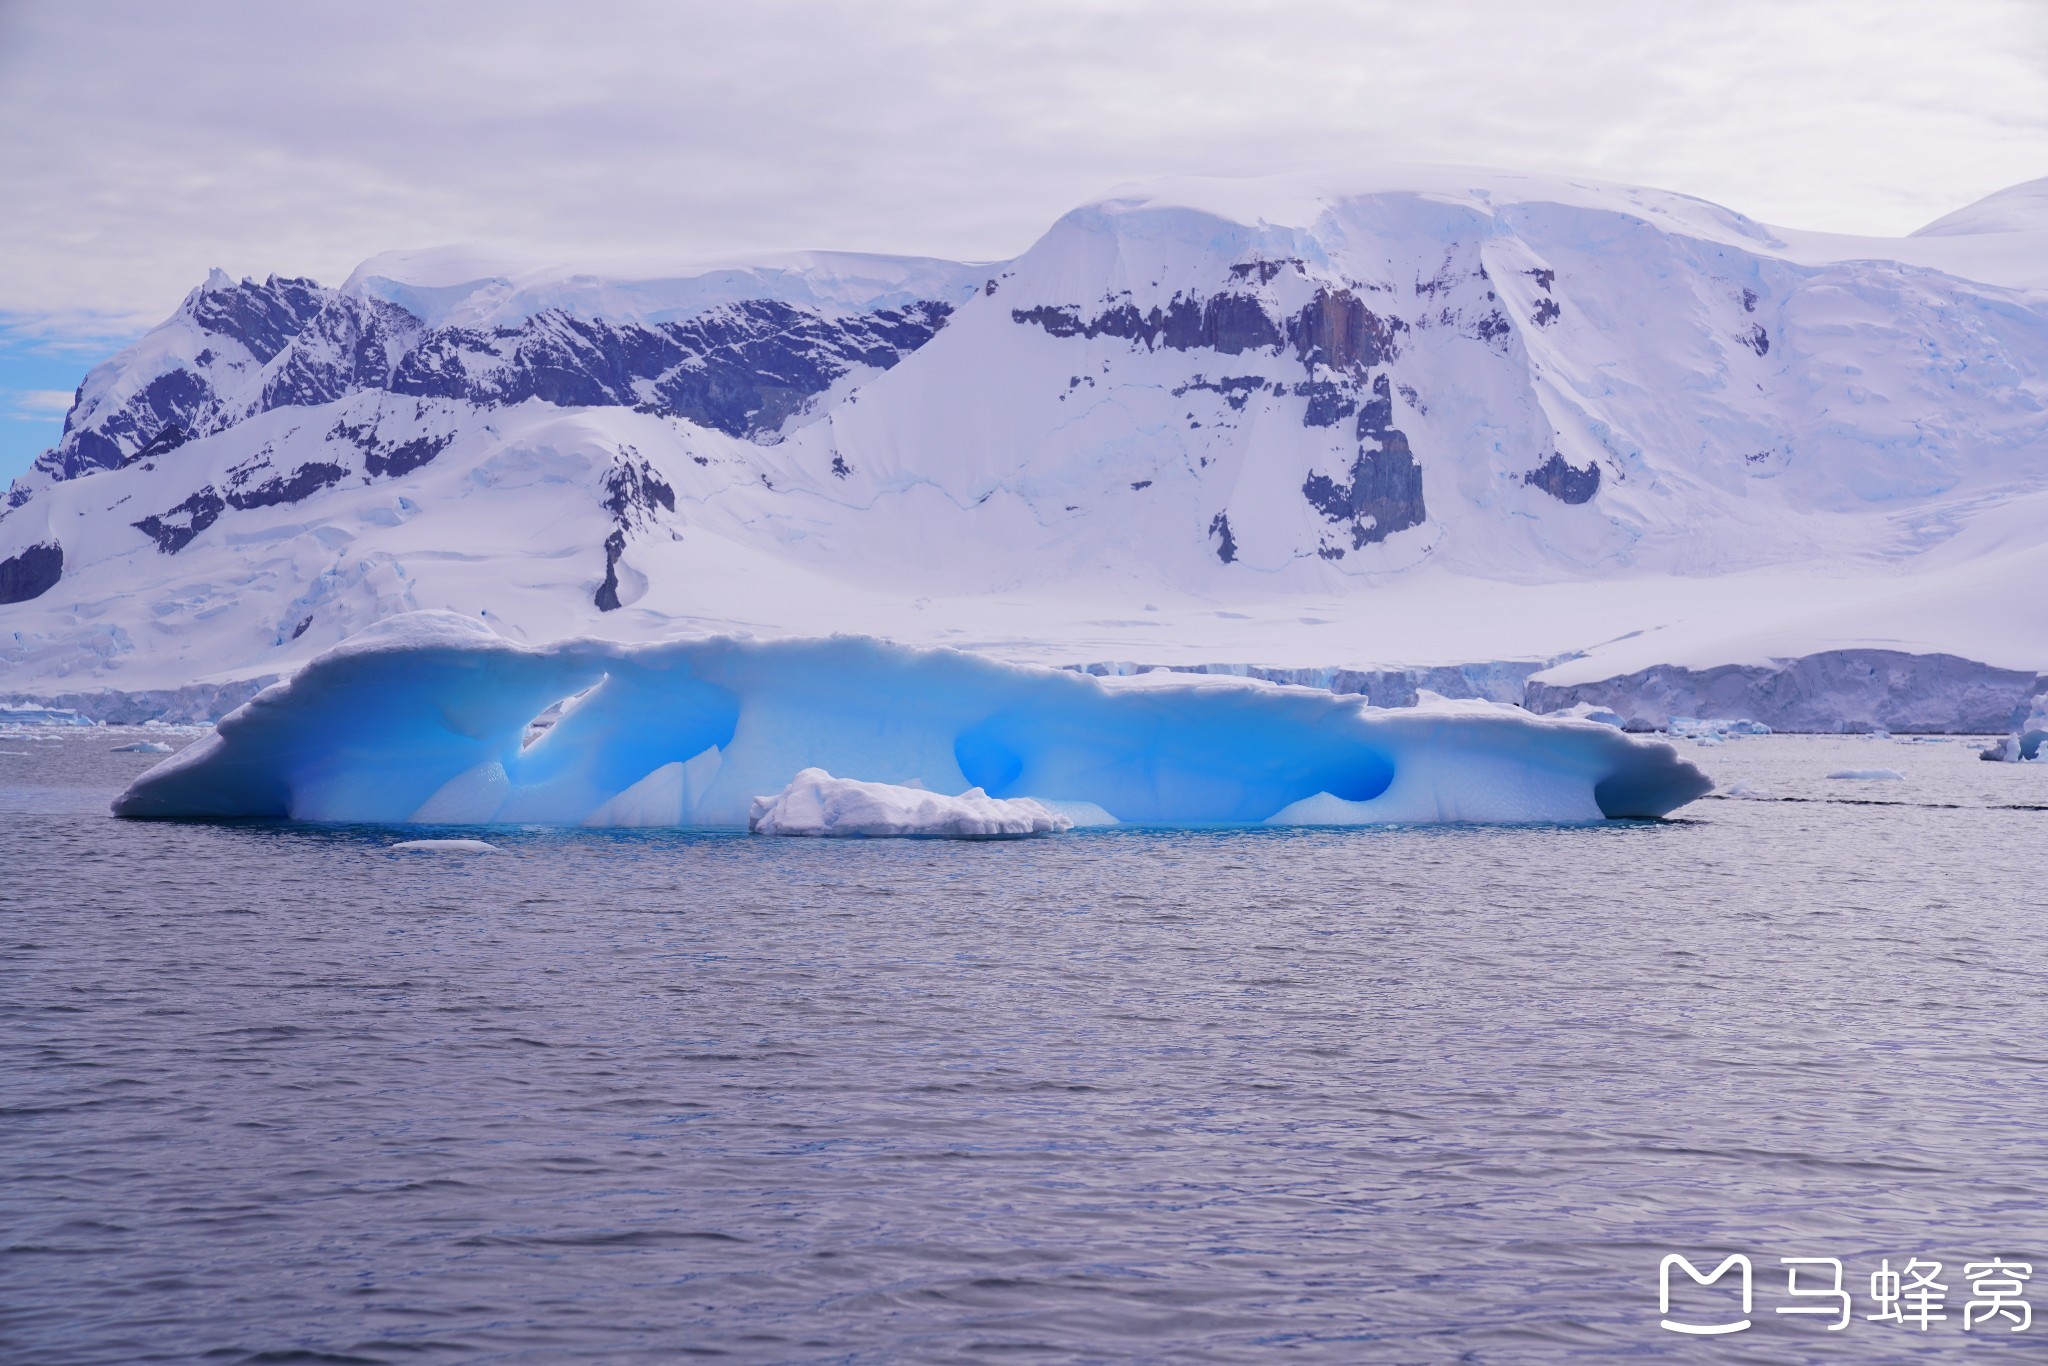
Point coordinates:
[(1407, 416)]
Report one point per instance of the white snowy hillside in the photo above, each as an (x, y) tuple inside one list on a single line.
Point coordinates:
[(1410, 417)]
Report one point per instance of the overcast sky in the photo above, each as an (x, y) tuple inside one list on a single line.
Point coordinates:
[(141, 143)]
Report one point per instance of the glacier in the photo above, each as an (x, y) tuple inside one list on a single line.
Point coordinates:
[(426, 718)]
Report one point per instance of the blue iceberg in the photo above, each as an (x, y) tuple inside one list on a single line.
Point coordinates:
[(430, 718)]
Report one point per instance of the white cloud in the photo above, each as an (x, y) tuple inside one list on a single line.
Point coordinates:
[(36, 405), (142, 144)]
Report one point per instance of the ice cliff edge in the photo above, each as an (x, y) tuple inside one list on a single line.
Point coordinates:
[(426, 717)]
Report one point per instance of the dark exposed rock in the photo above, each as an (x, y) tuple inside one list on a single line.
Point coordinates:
[(1749, 301), (261, 317), (301, 483), (1141, 484), (1383, 491), (1547, 312), (305, 623), (741, 369), (633, 491), (1757, 340), (1493, 329), (164, 442), (1328, 403), (350, 345), (1382, 496), (163, 411), (1339, 331), (1226, 544), (608, 591), (1265, 271), (392, 461), (1563, 482), (840, 469), (31, 573), (173, 530), (1236, 391), (1544, 278), (1230, 323)]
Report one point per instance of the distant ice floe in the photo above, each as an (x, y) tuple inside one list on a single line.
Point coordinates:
[(1713, 732), (425, 718), (143, 747), (1869, 775), (444, 847), (816, 803)]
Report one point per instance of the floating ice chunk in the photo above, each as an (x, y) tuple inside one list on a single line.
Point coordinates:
[(426, 718), (444, 847), (2029, 743), (817, 803), (1747, 791), (1869, 775), (143, 747)]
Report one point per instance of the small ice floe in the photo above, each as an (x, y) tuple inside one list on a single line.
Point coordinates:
[(816, 803), (1747, 791), (143, 747), (1869, 775), (444, 847)]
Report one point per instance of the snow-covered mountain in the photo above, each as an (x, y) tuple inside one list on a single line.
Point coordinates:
[(1417, 416)]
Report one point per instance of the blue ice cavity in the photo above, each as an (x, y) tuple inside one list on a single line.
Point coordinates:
[(425, 719)]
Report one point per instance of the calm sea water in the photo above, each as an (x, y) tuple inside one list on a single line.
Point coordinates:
[(274, 1093)]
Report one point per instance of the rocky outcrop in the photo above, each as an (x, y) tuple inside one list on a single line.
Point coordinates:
[(1382, 493), (31, 573), (742, 368), (1564, 482)]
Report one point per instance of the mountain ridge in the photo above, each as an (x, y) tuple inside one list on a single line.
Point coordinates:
[(1192, 404)]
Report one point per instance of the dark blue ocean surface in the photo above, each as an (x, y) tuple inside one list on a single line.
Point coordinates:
[(278, 1094)]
